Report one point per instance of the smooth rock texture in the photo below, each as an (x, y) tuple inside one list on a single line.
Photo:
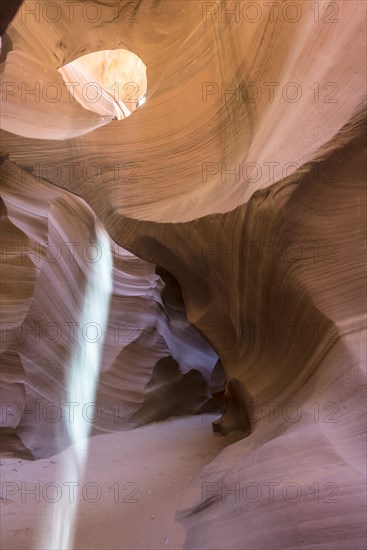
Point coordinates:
[(235, 203)]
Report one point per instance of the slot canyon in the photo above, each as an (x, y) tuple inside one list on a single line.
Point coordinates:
[(183, 275)]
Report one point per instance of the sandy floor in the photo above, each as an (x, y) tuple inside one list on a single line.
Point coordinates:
[(137, 479)]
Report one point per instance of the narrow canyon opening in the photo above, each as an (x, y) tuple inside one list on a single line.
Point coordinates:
[(107, 82)]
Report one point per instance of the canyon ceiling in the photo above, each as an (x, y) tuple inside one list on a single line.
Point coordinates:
[(219, 147)]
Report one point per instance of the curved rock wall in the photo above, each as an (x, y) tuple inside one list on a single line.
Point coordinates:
[(235, 202), (49, 245)]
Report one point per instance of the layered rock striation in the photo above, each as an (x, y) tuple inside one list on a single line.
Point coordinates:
[(234, 199)]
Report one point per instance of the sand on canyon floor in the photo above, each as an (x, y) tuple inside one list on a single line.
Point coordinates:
[(134, 483)]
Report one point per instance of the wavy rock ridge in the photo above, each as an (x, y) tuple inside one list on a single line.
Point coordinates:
[(235, 203)]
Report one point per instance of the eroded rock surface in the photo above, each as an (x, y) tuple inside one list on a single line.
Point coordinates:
[(234, 200)]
